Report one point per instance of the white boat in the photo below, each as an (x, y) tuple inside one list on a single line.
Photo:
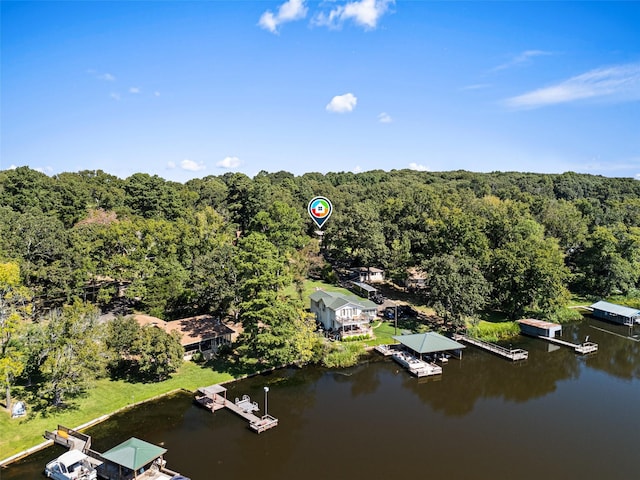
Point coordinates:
[(71, 465)]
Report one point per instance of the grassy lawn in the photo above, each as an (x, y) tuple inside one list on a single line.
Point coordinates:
[(105, 397), (310, 286)]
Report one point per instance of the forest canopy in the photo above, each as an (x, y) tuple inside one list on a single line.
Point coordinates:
[(231, 245)]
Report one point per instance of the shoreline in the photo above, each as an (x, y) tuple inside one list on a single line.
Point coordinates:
[(4, 463)]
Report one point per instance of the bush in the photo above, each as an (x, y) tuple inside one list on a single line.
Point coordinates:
[(564, 315), (493, 332), (338, 355)]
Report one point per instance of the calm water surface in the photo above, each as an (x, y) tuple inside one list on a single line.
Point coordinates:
[(559, 415)]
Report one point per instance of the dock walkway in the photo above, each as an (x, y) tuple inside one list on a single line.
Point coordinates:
[(581, 348), (212, 400), (513, 354)]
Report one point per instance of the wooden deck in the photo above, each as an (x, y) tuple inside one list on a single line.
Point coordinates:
[(581, 348), (242, 407), (513, 354)]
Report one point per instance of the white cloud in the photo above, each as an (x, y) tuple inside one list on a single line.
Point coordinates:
[(418, 167), (156, 94), (342, 103), (365, 13), (617, 83), (384, 118), (357, 169), (171, 164), (115, 96), (521, 59), (287, 12), (106, 76), (229, 162), (192, 166), (477, 86), (134, 90), (637, 176)]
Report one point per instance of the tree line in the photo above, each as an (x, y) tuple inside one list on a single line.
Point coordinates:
[(235, 245)]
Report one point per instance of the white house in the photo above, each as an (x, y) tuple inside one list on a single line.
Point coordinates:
[(347, 315), (368, 274)]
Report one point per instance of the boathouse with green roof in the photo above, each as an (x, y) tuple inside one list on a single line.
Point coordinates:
[(131, 459), (429, 343)]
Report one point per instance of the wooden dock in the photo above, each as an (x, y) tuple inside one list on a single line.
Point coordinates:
[(513, 354), (74, 440), (211, 398), (581, 348)]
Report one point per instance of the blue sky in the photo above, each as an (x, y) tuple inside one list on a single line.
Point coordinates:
[(189, 89)]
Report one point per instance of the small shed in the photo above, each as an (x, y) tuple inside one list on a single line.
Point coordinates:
[(133, 457), (430, 342), (364, 290), (539, 328), (616, 313)]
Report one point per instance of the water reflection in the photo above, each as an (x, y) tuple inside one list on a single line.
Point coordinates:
[(485, 417)]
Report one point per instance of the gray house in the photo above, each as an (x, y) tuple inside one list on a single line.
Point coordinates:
[(347, 315), (616, 313)]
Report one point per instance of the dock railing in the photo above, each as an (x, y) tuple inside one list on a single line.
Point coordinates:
[(510, 353)]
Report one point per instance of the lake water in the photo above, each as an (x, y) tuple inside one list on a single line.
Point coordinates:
[(558, 415)]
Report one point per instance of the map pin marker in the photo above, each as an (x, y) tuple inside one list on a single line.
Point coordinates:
[(320, 210)]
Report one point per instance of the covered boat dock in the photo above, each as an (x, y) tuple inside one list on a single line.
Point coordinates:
[(430, 343)]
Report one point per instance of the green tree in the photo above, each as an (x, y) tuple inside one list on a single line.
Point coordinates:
[(456, 286), (278, 333), (73, 352), (610, 261), (15, 307), (160, 353), (528, 273)]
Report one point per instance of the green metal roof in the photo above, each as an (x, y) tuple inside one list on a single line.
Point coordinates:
[(134, 453), (429, 342), (335, 300)]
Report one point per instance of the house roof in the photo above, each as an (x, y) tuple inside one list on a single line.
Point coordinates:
[(533, 322), (365, 287), (336, 300), (616, 309), (134, 453), (367, 270), (429, 342), (192, 329)]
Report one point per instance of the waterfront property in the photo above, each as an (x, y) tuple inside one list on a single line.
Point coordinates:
[(345, 315), (133, 459), (513, 354), (430, 344), (214, 397), (616, 313), (547, 331), (202, 333), (539, 328), (417, 352)]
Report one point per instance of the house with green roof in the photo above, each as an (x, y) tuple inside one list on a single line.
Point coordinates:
[(344, 315)]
